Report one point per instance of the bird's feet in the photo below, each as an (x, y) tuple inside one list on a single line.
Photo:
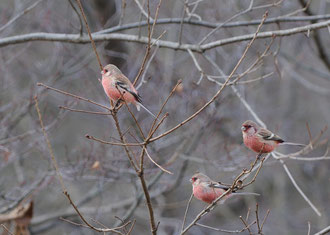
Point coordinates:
[(118, 102)]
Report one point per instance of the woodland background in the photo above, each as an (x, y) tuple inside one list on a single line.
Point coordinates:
[(288, 87)]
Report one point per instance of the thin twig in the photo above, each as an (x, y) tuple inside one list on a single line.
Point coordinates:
[(19, 15), (232, 188), (131, 228), (299, 189), (147, 66), (248, 214), (113, 143), (265, 218), (64, 190), (74, 96), (140, 174), (246, 225), (152, 131), (89, 34), (323, 231), (132, 115), (122, 14), (83, 218), (309, 134), (227, 231), (50, 149), (157, 126), (230, 19), (83, 111), (186, 211), (263, 125), (142, 10), (218, 92), (257, 218), (150, 34), (309, 228), (7, 230), (77, 13), (182, 20), (154, 162), (114, 116), (149, 205)]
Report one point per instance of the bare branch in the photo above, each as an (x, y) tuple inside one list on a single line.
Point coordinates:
[(75, 38), (74, 96), (186, 211), (323, 231), (90, 34), (299, 189), (219, 91), (25, 11)]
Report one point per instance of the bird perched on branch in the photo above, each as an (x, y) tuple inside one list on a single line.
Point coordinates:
[(261, 140), (206, 190), (119, 88)]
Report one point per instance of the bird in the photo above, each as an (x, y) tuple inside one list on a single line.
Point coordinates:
[(119, 88), (206, 190), (261, 140)]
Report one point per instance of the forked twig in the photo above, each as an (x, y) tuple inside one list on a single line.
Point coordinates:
[(220, 90), (232, 188), (54, 162), (154, 162), (74, 96), (246, 225)]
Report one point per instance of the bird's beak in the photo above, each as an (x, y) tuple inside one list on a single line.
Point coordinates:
[(243, 128), (102, 72), (190, 180)]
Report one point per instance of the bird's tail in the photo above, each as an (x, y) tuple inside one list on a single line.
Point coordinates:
[(246, 193), (138, 104), (239, 194), (295, 144)]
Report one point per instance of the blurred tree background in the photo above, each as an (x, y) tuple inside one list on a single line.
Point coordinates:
[(284, 81)]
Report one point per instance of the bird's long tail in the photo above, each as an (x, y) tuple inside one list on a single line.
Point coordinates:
[(138, 104), (295, 144), (239, 194), (246, 193)]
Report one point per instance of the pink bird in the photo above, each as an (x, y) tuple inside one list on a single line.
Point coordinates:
[(206, 190), (119, 88), (261, 140)]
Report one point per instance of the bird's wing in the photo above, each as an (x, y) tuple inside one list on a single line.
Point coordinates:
[(123, 83), (268, 135), (217, 185)]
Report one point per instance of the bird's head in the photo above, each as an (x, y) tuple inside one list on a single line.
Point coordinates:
[(199, 178), (110, 70), (249, 127)]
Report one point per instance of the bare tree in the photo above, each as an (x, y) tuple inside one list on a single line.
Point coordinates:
[(203, 67)]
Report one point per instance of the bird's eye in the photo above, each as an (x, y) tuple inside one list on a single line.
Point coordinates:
[(106, 70), (194, 179)]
